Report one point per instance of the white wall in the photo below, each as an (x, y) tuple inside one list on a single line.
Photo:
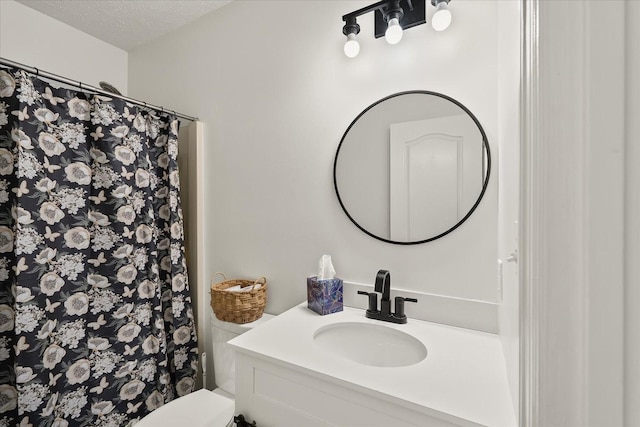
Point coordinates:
[(632, 218), (34, 39), (276, 100), (276, 93)]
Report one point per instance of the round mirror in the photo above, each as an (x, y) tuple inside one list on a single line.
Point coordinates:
[(412, 167)]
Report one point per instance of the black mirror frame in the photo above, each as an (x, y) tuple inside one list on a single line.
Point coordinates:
[(485, 144)]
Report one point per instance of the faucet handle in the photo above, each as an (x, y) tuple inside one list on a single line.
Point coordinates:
[(400, 305), (373, 300)]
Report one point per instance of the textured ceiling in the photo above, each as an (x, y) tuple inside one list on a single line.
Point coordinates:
[(125, 23)]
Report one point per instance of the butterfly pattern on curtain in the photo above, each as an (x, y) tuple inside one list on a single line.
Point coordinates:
[(96, 327)]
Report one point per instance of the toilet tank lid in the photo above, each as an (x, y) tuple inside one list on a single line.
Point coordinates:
[(202, 408), (239, 328)]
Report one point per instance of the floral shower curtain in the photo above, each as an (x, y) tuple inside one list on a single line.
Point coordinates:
[(96, 327)]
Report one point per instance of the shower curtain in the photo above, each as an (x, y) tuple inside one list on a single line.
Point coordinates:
[(96, 327)]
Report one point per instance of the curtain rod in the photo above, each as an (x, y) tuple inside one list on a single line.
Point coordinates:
[(82, 86)]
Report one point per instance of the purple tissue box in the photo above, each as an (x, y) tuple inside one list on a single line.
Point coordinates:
[(324, 296)]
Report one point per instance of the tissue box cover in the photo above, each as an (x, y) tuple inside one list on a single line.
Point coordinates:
[(324, 296)]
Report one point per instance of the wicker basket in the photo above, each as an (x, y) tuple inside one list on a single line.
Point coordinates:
[(242, 306)]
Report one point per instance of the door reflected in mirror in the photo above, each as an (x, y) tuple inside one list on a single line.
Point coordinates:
[(412, 167)]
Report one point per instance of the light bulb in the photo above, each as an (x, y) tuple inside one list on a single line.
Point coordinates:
[(442, 18), (394, 31), (351, 46)]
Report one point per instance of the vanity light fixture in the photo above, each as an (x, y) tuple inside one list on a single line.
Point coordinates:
[(392, 17)]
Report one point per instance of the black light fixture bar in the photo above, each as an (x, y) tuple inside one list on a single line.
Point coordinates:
[(376, 6), (391, 18)]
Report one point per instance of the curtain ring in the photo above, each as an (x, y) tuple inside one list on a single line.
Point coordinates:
[(37, 71), (162, 109)]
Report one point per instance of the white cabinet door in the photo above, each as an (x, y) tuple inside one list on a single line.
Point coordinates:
[(275, 396)]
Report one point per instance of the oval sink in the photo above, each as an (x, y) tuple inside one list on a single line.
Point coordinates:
[(369, 344)]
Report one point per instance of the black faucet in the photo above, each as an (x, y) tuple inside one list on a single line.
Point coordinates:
[(383, 286)]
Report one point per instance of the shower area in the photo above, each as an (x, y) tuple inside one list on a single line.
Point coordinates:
[(96, 319)]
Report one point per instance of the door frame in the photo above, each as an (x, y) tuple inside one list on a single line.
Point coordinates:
[(572, 213)]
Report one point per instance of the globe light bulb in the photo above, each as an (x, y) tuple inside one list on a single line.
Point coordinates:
[(351, 46), (442, 18), (394, 31)]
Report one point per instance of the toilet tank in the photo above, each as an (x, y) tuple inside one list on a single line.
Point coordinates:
[(224, 365)]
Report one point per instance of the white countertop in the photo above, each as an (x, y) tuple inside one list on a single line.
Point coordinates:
[(463, 375)]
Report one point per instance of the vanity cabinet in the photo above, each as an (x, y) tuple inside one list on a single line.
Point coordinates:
[(279, 396), (287, 377)]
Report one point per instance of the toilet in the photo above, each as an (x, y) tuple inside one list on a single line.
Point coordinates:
[(205, 407)]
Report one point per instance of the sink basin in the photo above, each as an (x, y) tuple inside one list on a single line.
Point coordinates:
[(369, 344)]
